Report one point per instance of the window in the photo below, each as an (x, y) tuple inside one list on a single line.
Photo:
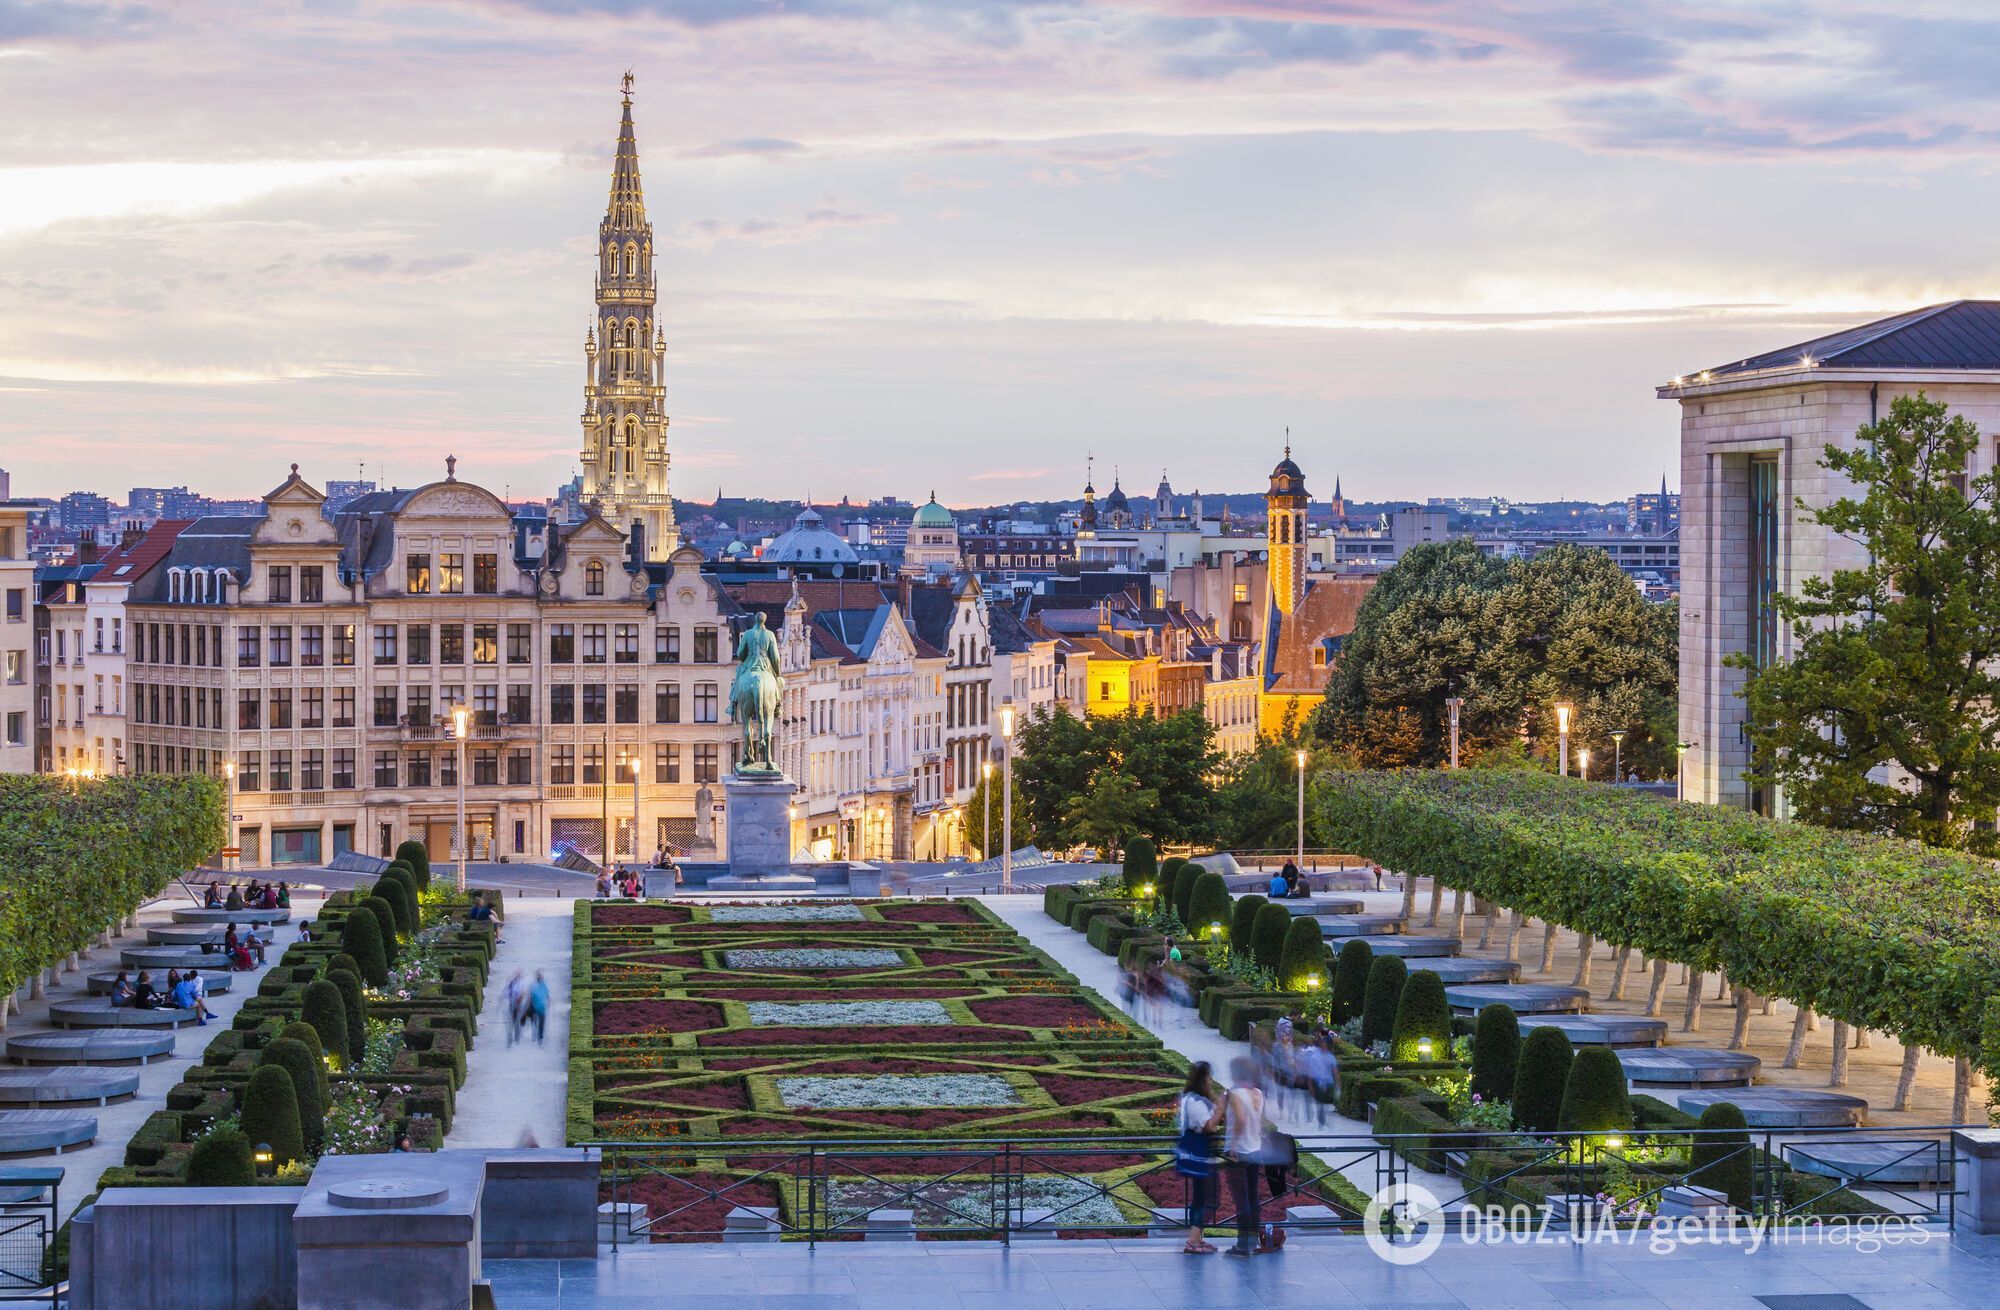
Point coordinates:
[(248, 644), (385, 768), (343, 707), (281, 707), (249, 707), (593, 703), (281, 584), (1242, 592), (281, 770), (707, 766), (451, 574), (97, 641), (704, 702), (417, 575), (625, 703), (312, 646), (385, 707), (312, 583), (562, 643), (667, 703), (626, 647), (280, 654), (593, 578), (593, 763), (312, 770), (312, 707), (343, 645), (666, 762), (417, 644), (249, 770), (562, 703), (562, 766), (486, 574), (417, 769), (486, 705), (593, 643), (343, 768), (704, 646), (520, 703), (419, 706), (17, 604), (385, 643), (485, 766), (666, 645), (520, 766), (520, 643), (451, 643), (485, 643)]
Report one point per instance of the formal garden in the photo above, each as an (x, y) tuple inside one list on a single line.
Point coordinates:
[(832, 1054)]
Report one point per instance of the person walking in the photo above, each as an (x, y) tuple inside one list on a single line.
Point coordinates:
[(1316, 1069), (1200, 1114), (1243, 1149), (513, 996), (538, 1006)]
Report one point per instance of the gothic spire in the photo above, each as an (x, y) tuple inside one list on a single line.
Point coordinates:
[(627, 207)]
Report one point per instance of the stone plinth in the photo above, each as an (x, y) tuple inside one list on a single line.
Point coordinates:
[(1976, 1173), (422, 1257), (186, 1248), (1783, 1107), (751, 1223), (197, 914), (540, 1204), (759, 826)]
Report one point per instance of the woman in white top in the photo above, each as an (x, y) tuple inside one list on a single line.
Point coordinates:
[(1200, 1114), (1243, 1145)]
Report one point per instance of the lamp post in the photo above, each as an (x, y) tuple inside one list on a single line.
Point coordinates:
[(1617, 755), (1583, 764), (1007, 797), (229, 838), (1680, 769), (635, 811), (461, 723), (986, 781), (1563, 709), (1300, 844), (1453, 703)]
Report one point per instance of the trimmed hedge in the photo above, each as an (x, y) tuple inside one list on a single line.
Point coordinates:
[(306, 1072), (385, 918), (354, 1002), (1141, 865), (1594, 1096), (1540, 1079), (1723, 1161), (222, 1159), (1350, 979), (1267, 936), (1209, 904), (1185, 878), (1496, 1052), (361, 937), (325, 1012), (1242, 916), (412, 853), (1303, 955), (1421, 1013), (1386, 977), (271, 1113)]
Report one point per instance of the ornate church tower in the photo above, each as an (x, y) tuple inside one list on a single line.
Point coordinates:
[(625, 354), (1286, 504)]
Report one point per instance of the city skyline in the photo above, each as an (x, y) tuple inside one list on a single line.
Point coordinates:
[(1163, 233)]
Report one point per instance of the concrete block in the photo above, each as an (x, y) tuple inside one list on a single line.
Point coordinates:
[(751, 1223), (620, 1217), (1976, 1170), (1035, 1225), (1314, 1216), (540, 1204), (891, 1226), (1696, 1202), (190, 1248), (401, 1230)]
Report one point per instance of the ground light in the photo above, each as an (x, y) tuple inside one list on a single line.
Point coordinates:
[(262, 1155)]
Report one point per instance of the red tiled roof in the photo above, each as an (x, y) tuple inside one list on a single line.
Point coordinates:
[(139, 558)]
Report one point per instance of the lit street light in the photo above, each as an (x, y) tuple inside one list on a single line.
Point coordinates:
[(461, 723), (1454, 704), (986, 786), (1563, 709), (1007, 797), (1681, 749), (1617, 755), (1583, 764), (1301, 844), (229, 837)]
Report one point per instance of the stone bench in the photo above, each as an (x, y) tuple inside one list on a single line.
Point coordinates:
[(66, 1085), (199, 915), (171, 957), (1689, 1066), (185, 934), (1782, 1107), (1359, 925), (214, 979), (39, 1132), (1314, 906), (1413, 946), (1618, 1031), (1525, 998), (1908, 1162), (99, 1012), (123, 1046), (1463, 969)]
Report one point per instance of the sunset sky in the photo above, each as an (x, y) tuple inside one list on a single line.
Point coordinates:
[(957, 245)]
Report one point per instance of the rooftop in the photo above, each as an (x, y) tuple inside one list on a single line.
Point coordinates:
[(1958, 334)]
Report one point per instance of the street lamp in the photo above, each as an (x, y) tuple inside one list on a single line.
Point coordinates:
[(986, 787), (229, 837), (1681, 749), (1563, 710), (635, 811), (1617, 755), (1583, 764), (1007, 798), (461, 723), (1301, 843), (1454, 703)]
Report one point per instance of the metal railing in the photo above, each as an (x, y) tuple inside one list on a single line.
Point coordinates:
[(28, 1221), (1002, 1188)]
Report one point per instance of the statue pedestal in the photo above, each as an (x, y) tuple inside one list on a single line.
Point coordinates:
[(759, 825)]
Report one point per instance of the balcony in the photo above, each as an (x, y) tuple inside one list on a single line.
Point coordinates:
[(438, 728)]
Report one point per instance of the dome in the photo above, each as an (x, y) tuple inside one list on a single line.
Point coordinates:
[(1116, 500), (809, 542), (933, 515)]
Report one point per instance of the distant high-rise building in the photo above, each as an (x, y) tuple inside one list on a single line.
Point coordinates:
[(84, 509), (339, 493), (154, 503)]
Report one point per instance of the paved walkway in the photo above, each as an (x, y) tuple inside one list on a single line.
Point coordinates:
[(512, 1090), (1940, 1274)]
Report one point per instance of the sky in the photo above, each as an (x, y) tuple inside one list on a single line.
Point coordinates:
[(957, 245)]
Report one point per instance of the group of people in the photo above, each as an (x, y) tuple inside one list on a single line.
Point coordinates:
[(245, 950), (257, 896), (1296, 1068), (527, 1003), (1288, 884), (184, 991), (1225, 1131), (1149, 992), (628, 883)]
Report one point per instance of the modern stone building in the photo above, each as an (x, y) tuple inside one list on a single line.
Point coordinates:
[(1752, 434)]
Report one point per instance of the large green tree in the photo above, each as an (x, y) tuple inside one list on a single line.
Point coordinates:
[(1112, 809), (1060, 761), (1893, 661)]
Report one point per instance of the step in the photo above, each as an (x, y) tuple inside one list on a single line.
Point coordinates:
[(99, 1012), (1783, 1107), (1525, 998), (1359, 925), (1689, 1066), (65, 1085), (1466, 969), (1614, 1030), (38, 1132), (1899, 1163), (1413, 946), (105, 1046)]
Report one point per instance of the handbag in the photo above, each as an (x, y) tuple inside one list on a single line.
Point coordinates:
[(1194, 1153), (1279, 1147)]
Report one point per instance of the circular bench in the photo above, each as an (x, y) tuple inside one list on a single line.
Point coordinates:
[(1614, 1030), (1525, 998), (1319, 905), (38, 1132), (171, 957), (65, 1085), (186, 934), (1689, 1066), (1901, 1163), (197, 914), (214, 979), (1358, 925), (1413, 946), (1783, 1107), (125, 1046), (99, 1012), (1467, 969)]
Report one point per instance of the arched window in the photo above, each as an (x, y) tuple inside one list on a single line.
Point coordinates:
[(631, 260), (173, 585), (593, 578)]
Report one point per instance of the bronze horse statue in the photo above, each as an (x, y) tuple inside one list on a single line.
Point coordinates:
[(754, 696)]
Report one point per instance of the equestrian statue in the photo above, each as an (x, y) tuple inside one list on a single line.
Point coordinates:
[(754, 696)]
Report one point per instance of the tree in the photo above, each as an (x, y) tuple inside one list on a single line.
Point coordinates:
[(1267, 936), (1422, 1014), (1350, 979), (1185, 879), (348, 979), (271, 1113), (361, 937), (1142, 865), (1386, 976), (1893, 659), (1594, 1096), (1242, 917), (1496, 1052), (1210, 901), (1114, 807), (1540, 1078), (1302, 956), (385, 919), (1055, 756), (1059, 758), (412, 853), (1721, 1158)]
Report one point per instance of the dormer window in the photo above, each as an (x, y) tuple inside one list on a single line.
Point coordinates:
[(593, 578)]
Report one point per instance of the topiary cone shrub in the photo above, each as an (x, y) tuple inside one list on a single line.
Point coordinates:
[(1421, 1015), (1539, 1080), (1185, 878), (222, 1159), (325, 1012), (1594, 1097), (1386, 977), (1166, 880), (307, 1036), (402, 903), (413, 854), (1723, 1162), (1496, 1053), (355, 1003), (361, 937), (305, 1072), (1242, 915), (1350, 979), (1142, 865), (271, 1113), (385, 920), (1209, 904), (1303, 955), (1267, 936)]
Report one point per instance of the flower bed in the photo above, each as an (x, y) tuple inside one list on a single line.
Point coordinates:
[(835, 958)]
